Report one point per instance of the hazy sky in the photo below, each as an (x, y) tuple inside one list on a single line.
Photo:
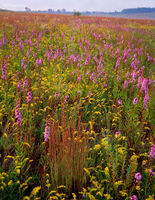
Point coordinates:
[(80, 5)]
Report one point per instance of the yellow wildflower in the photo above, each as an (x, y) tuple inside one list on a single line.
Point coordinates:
[(35, 191), (97, 147), (137, 187), (10, 182), (151, 197), (107, 196)]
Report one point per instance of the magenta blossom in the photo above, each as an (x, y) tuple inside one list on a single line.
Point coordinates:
[(134, 197), (125, 84), (146, 99), (66, 99), (117, 134), (29, 97), (151, 172), (152, 152), (56, 95), (17, 114), (144, 85), (47, 132), (135, 101), (120, 102), (138, 177)]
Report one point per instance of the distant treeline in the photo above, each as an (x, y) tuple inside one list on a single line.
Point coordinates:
[(138, 10), (4, 10)]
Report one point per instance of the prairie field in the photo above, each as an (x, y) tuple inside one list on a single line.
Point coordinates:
[(77, 107)]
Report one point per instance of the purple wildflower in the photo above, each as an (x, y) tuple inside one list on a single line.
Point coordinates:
[(144, 84), (3, 69), (17, 114), (24, 85), (90, 94), (146, 99), (117, 134), (139, 81), (118, 78), (120, 102), (88, 73), (29, 97), (19, 84), (66, 99), (79, 92), (22, 62), (56, 95), (138, 177), (151, 172), (152, 152), (47, 132), (135, 101), (134, 197), (39, 61), (134, 75), (125, 84), (79, 79)]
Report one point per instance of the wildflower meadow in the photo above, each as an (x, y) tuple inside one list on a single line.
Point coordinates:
[(77, 107)]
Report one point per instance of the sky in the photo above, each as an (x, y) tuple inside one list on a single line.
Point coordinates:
[(78, 5)]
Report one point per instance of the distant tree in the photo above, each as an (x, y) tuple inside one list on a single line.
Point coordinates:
[(76, 13), (58, 11), (63, 10), (50, 10), (27, 9)]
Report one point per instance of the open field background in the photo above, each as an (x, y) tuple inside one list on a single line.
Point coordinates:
[(76, 107)]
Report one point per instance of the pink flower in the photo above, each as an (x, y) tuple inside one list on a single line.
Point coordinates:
[(139, 81), (138, 177), (151, 172), (152, 152), (29, 97), (134, 197), (17, 114), (56, 95), (135, 101), (144, 85), (120, 102), (117, 133), (47, 132), (146, 99), (125, 84), (66, 99)]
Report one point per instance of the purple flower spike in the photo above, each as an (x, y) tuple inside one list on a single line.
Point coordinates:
[(47, 132), (146, 99), (144, 85), (17, 114), (151, 172), (138, 177), (120, 102), (3, 69), (134, 197), (56, 95), (125, 84), (29, 97), (152, 152), (135, 101), (66, 99)]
